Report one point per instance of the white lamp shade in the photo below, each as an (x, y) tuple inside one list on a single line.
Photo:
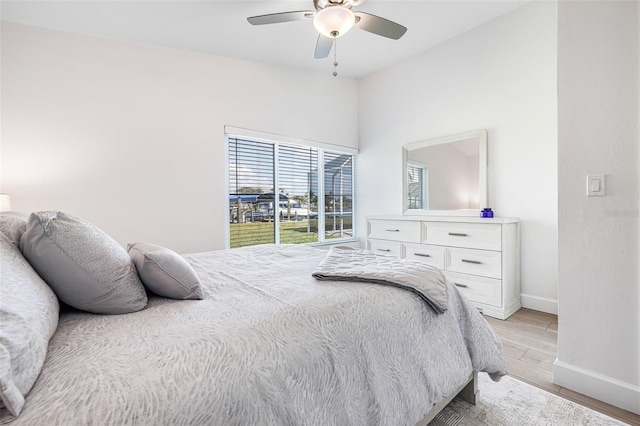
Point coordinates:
[(334, 21), (5, 203)]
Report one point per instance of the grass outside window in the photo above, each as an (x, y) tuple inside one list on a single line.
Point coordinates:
[(291, 232)]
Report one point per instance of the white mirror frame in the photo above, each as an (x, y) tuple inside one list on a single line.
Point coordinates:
[(483, 197)]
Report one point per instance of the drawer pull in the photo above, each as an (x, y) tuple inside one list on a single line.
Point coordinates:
[(460, 285), (392, 230), (475, 262), (422, 254), (458, 234), (383, 249)]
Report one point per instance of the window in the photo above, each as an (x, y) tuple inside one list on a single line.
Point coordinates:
[(289, 194), (338, 193), (417, 184)]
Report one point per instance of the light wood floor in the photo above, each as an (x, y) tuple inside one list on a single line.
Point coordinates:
[(529, 340)]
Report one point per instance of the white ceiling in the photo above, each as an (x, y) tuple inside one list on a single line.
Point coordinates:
[(220, 27)]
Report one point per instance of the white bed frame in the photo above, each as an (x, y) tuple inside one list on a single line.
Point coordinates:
[(467, 391)]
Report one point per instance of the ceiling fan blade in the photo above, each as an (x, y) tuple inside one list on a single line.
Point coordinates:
[(377, 25), (323, 46), (275, 18)]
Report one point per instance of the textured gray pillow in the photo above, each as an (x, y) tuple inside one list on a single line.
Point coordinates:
[(165, 272), (13, 225), (86, 268), (28, 318)]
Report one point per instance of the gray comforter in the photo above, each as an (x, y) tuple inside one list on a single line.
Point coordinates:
[(348, 264), (268, 345)]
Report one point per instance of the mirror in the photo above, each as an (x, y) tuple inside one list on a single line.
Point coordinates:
[(446, 175)]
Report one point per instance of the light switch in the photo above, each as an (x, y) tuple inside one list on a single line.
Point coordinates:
[(596, 185)]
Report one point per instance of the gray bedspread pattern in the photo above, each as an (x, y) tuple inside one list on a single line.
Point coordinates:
[(348, 264), (268, 345)]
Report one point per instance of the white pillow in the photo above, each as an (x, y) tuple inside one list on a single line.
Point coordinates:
[(13, 225), (28, 318), (165, 272)]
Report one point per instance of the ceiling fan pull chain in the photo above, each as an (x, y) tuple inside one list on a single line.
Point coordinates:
[(335, 57)]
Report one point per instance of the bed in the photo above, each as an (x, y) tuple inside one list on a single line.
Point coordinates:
[(267, 344)]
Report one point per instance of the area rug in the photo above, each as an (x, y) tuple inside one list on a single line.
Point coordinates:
[(511, 402)]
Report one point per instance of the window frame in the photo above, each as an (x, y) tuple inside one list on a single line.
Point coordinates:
[(278, 141), (424, 184)]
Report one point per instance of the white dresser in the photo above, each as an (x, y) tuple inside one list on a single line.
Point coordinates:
[(481, 256)]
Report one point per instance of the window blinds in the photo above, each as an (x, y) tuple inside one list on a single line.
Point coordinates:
[(286, 193)]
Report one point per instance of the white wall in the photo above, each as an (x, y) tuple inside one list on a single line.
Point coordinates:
[(599, 92), (501, 77), (131, 137)]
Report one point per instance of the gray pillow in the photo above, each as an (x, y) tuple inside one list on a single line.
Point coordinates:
[(28, 318), (165, 272), (86, 268), (13, 225)]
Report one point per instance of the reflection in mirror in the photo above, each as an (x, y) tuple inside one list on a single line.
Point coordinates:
[(446, 175)]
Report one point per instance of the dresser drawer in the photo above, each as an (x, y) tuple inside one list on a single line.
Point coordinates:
[(478, 289), (476, 262), (467, 235), (394, 230), (432, 255), (390, 248)]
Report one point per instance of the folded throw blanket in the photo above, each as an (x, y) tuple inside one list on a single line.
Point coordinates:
[(347, 264)]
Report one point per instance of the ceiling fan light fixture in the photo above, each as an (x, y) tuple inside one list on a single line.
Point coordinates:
[(334, 21)]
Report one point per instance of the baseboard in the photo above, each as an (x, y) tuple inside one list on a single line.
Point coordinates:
[(606, 389), (536, 303)]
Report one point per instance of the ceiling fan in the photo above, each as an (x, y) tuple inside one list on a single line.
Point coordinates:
[(332, 19)]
